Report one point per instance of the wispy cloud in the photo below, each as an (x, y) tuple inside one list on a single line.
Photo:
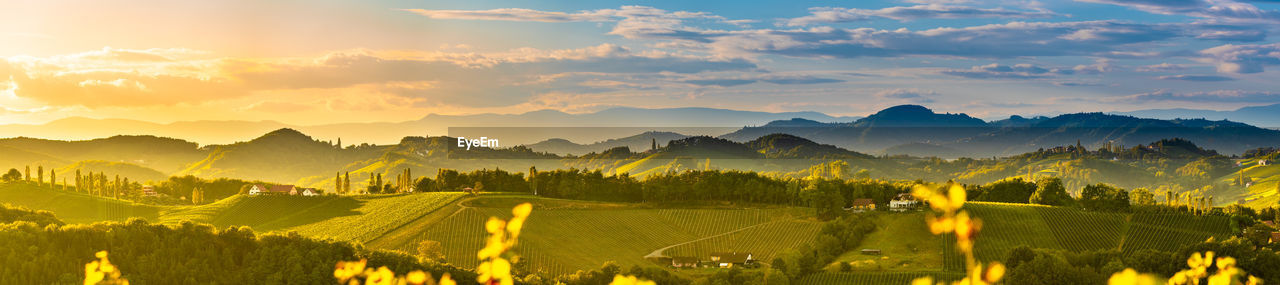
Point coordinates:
[(1196, 77), (1219, 96), (906, 13)]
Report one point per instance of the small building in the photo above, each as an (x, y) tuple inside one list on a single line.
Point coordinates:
[(862, 205), (731, 259), (1271, 224), (257, 189), (684, 262), (284, 190), (309, 192), (1263, 162), (148, 190), (870, 251), (1275, 237), (903, 202)]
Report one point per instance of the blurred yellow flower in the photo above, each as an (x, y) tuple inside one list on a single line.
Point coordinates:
[(629, 280), (1131, 277)]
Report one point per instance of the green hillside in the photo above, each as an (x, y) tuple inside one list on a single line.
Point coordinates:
[(563, 236), (134, 172), (165, 154), (346, 218), (1006, 226), (283, 155), (74, 207)]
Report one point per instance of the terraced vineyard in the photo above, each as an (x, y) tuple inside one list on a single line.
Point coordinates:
[(1169, 232), (1006, 226), (348, 218), (564, 240), (1105, 230), (763, 241), (873, 278)]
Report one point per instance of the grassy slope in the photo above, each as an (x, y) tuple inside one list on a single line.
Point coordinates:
[(134, 172), (905, 244), (563, 236), (74, 207), (348, 218)]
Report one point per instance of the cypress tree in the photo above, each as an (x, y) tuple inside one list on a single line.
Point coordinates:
[(39, 175)]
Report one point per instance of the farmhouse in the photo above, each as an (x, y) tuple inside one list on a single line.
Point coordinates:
[(1270, 224), (869, 251), (1263, 162), (148, 190), (730, 259), (903, 202), (684, 262), (310, 192), (259, 189), (861, 205), (1275, 237)]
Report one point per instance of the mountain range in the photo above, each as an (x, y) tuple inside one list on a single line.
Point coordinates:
[(1267, 116), (226, 132)]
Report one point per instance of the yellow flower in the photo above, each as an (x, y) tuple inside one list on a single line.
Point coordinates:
[(447, 280), (922, 281), (382, 276), (522, 210), (629, 280), (957, 196), (995, 272), (1131, 277), (91, 273), (416, 277), (494, 225)]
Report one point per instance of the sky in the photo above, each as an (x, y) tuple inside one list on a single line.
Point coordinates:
[(322, 62)]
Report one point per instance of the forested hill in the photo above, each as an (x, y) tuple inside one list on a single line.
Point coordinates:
[(918, 131)]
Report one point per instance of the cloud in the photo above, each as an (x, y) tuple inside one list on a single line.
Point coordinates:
[(512, 14), (1211, 9), (720, 82), (906, 13), (1077, 84), (1243, 58), (788, 80), (909, 94), (105, 78), (1016, 39), (98, 85), (1017, 71), (1163, 67), (1195, 77), (1219, 96)]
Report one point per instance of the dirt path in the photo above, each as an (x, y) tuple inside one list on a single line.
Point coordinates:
[(658, 253)]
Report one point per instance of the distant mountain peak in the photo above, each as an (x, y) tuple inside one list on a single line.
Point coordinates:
[(795, 122), (917, 116), (905, 110)]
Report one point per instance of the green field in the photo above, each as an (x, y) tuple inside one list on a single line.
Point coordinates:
[(873, 278), (905, 244), (74, 207), (564, 236), (346, 218)]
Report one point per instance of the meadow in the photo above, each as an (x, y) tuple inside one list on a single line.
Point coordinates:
[(563, 236)]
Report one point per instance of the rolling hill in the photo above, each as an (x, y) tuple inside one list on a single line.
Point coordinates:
[(134, 172)]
